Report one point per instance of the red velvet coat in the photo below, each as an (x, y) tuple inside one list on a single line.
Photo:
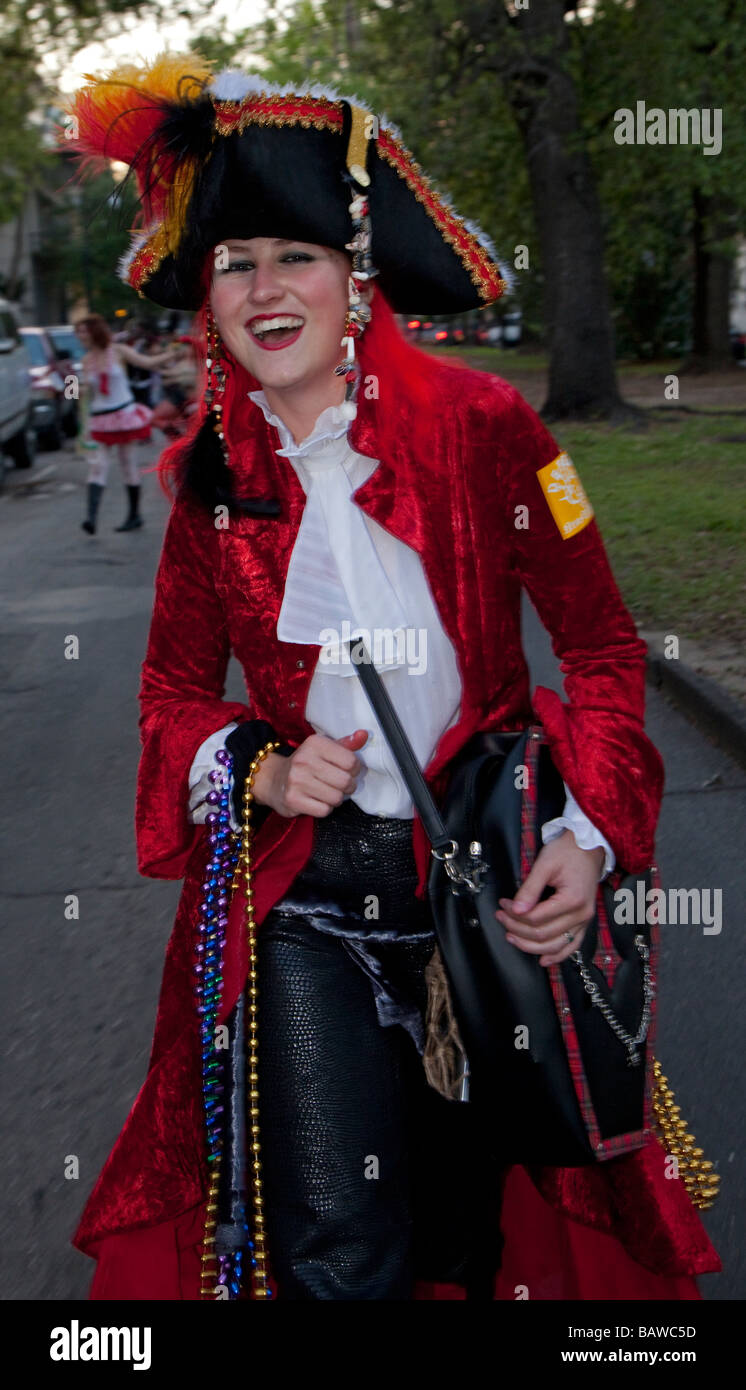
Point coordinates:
[(617, 1230)]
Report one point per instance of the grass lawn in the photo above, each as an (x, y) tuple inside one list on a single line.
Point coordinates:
[(670, 499), (671, 505), (501, 361), (508, 362)]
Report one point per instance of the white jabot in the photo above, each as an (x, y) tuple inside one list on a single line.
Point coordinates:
[(336, 582), (347, 574)]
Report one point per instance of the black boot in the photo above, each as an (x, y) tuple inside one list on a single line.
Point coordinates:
[(134, 520), (94, 497)]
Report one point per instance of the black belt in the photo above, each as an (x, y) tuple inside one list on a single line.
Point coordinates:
[(110, 409), (361, 878)]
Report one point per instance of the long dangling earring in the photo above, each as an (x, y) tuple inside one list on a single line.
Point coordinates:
[(215, 388), (358, 312)]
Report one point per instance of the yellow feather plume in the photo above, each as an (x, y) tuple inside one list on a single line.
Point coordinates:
[(167, 76), (115, 112)]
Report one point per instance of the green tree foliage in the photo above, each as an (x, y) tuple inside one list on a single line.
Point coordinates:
[(672, 213), (457, 80), (30, 31), (35, 37), (20, 137), (87, 233), (434, 66)]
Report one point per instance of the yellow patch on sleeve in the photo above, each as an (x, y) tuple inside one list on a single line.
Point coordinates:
[(564, 492)]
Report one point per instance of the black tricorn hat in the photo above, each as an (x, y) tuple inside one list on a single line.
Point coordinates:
[(230, 155)]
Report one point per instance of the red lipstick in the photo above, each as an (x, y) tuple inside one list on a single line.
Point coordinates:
[(284, 342)]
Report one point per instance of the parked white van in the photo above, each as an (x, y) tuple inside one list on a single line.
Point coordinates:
[(17, 434)]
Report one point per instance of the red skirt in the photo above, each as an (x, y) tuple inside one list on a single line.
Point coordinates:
[(121, 426), (546, 1257)]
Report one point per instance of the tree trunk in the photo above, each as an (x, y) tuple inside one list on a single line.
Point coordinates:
[(352, 27), (713, 269), (541, 92)]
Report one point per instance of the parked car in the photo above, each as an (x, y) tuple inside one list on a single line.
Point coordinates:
[(738, 345), (489, 335), (17, 431), (55, 413), (68, 348), (430, 332), (512, 328)]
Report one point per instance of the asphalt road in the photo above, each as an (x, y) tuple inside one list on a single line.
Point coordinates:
[(78, 996)]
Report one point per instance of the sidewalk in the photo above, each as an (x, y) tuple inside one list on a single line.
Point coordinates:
[(713, 705)]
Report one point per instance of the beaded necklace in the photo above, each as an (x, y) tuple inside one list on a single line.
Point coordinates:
[(222, 1273)]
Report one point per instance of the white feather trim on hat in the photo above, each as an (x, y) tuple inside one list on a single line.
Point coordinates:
[(229, 85), (233, 85), (125, 260), (484, 240)]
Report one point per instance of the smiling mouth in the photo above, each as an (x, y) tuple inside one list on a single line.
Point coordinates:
[(276, 330)]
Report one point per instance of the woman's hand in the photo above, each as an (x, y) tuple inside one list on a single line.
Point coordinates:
[(141, 359), (314, 779), (542, 929)]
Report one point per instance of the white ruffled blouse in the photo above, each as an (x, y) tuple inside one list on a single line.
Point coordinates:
[(349, 576)]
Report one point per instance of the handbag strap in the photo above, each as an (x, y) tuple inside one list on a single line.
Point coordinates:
[(401, 748)]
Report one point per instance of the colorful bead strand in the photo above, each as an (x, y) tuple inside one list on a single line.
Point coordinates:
[(224, 1272), (211, 932)]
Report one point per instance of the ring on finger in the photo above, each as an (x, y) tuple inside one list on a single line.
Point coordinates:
[(569, 936)]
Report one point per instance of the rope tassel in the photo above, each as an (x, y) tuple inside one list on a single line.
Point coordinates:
[(444, 1057)]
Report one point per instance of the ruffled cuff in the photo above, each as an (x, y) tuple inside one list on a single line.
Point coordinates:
[(243, 741), (204, 763), (585, 832)]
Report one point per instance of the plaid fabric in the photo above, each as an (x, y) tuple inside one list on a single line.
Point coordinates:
[(530, 833), (652, 1031), (606, 957), (574, 1058)]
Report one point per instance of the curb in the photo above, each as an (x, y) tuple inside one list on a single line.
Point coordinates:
[(704, 702)]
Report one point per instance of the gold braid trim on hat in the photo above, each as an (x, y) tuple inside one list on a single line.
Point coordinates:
[(148, 258), (319, 113), (475, 259)]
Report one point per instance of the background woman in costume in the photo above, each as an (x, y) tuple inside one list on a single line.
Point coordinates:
[(305, 504), (115, 418), (179, 380)]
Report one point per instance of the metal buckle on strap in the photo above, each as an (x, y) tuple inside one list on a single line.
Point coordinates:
[(468, 877)]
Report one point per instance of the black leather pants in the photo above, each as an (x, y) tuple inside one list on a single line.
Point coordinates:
[(369, 1174)]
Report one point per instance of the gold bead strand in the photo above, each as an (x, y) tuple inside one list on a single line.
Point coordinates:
[(208, 1273), (261, 1287), (700, 1179)]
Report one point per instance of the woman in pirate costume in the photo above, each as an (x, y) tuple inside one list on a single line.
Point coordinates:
[(297, 1137), (115, 418)]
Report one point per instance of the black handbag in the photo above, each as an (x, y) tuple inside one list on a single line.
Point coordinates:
[(559, 1058)]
